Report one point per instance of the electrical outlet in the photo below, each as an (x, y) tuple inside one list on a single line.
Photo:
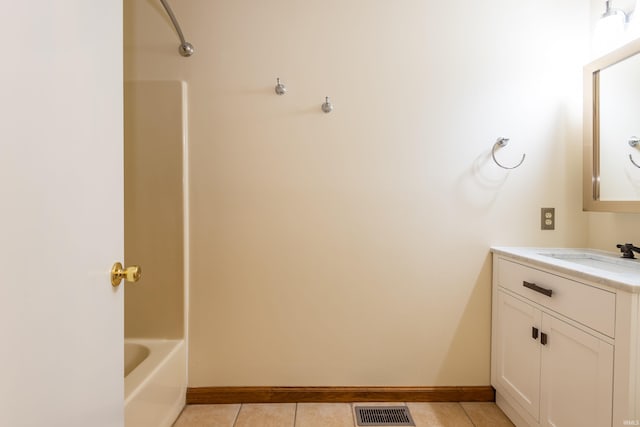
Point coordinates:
[(547, 218)]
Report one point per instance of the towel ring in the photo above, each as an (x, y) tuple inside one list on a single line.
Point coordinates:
[(502, 142), (633, 141)]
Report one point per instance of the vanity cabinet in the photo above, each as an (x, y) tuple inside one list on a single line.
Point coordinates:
[(555, 358), (560, 374)]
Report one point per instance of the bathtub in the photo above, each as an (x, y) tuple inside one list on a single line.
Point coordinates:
[(155, 382)]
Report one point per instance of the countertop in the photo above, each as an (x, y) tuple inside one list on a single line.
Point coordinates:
[(619, 273)]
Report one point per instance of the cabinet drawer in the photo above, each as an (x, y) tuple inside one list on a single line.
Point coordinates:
[(593, 307)]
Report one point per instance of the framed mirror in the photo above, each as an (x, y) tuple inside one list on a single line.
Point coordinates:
[(611, 167)]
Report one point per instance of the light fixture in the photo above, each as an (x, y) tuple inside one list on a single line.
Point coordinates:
[(609, 31)]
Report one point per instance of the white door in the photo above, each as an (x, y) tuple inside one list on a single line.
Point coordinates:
[(61, 214), (518, 347), (577, 377)]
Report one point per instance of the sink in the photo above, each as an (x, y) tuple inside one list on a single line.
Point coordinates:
[(608, 263)]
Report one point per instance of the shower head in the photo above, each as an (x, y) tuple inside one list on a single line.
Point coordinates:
[(186, 48)]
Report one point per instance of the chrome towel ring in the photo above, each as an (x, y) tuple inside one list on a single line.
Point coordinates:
[(633, 141), (502, 142)]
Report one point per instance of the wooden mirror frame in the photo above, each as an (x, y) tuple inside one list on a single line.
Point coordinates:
[(591, 134)]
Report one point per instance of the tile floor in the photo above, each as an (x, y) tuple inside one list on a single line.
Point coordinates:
[(337, 415)]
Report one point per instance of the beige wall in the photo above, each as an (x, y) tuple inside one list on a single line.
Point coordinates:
[(153, 223), (353, 248), (606, 230)]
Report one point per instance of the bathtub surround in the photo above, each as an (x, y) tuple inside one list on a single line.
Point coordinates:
[(154, 236), (352, 248), (155, 140)]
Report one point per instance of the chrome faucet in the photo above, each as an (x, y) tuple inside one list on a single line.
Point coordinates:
[(627, 250)]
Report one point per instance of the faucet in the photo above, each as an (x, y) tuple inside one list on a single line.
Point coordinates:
[(627, 250)]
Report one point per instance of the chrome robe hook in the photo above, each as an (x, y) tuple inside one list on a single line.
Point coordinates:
[(327, 107), (502, 142), (280, 88)]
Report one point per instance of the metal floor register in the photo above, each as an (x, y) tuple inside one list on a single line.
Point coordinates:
[(383, 416)]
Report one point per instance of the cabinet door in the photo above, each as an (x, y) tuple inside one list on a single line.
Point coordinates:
[(518, 358), (577, 377)]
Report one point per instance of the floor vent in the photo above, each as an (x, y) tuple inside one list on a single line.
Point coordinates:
[(383, 416)]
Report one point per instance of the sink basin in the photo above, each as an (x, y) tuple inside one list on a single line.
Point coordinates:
[(611, 264)]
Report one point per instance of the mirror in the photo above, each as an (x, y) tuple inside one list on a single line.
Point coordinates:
[(612, 131)]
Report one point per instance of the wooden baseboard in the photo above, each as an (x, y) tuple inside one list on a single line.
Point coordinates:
[(212, 395)]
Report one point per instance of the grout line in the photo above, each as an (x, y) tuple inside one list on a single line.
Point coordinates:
[(235, 420), (295, 415), (467, 414)]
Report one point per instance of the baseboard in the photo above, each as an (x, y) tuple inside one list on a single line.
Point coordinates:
[(212, 395)]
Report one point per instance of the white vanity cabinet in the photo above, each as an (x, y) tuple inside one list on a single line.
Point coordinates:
[(558, 373), (564, 349)]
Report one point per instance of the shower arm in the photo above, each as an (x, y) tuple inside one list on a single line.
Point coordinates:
[(186, 48)]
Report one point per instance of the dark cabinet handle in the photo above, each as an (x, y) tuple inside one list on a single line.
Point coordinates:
[(537, 288), (534, 332), (543, 338)]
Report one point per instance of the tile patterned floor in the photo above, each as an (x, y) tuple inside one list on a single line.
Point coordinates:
[(472, 414)]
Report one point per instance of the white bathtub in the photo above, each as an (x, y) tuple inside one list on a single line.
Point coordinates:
[(155, 382)]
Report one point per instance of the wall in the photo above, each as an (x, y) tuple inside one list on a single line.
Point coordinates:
[(153, 220), (353, 248), (606, 230)]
